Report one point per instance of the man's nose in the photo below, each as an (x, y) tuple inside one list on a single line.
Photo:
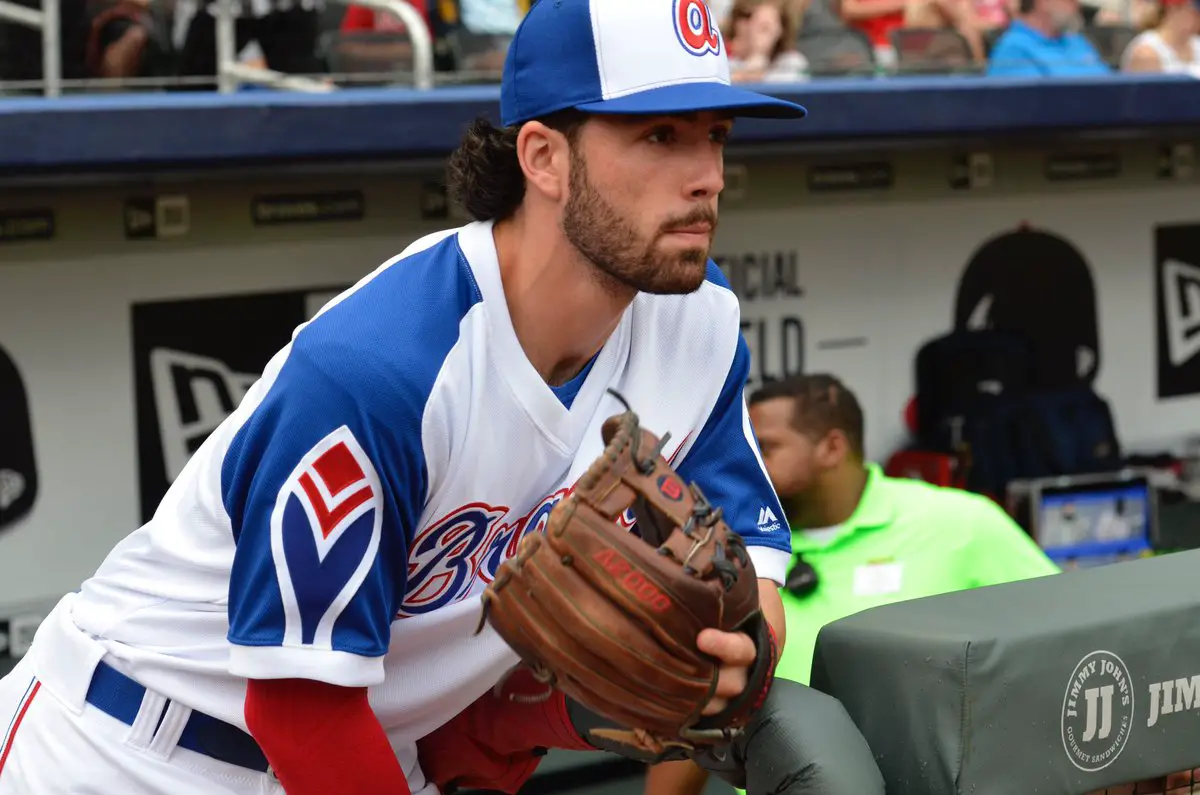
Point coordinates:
[(708, 177)]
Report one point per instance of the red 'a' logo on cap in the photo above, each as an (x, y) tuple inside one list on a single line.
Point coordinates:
[(696, 28)]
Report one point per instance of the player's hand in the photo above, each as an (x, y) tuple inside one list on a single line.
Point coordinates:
[(737, 653)]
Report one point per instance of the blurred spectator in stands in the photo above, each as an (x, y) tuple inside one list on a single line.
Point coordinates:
[(360, 19), (394, 47), (492, 17), (1143, 14), (860, 538), (971, 18), (720, 10), (281, 36), (993, 15), (876, 19), (1135, 13), (106, 39), (129, 39), (1044, 41), (490, 24), (1171, 45), (761, 40)]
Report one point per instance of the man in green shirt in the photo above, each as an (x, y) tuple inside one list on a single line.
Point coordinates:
[(860, 538)]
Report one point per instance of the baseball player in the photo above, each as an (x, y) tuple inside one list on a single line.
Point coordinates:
[(302, 608)]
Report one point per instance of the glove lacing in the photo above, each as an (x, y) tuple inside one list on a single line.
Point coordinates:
[(540, 674)]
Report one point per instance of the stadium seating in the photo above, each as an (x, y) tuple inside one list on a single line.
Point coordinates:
[(837, 52), (831, 46), (1110, 40), (932, 51)]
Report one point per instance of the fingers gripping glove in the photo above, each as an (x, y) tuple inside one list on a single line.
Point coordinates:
[(612, 619)]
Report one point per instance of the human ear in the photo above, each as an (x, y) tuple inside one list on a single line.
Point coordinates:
[(543, 154), (833, 449)]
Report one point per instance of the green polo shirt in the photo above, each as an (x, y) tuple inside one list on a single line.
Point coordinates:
[(906, 539)]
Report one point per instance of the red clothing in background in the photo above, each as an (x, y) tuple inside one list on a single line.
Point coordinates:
[(359, 18)]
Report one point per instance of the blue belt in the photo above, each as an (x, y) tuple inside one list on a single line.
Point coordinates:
[(117, 695)]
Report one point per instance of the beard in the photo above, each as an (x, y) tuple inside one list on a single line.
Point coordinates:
[(621, 257)]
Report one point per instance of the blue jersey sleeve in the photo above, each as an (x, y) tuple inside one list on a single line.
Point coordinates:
[(322, 497), (726, 463)]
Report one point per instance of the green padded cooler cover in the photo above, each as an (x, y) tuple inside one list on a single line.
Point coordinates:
[(1059, 685)]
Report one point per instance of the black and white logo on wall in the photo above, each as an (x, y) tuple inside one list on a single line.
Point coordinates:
[(18, 471), (1177, 311), (1037, 283), (194, 361)]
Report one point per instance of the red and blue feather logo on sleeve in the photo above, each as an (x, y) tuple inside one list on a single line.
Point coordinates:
[(325, 534)]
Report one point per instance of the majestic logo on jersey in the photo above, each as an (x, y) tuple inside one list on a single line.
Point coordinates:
[(325, 531), (767, 521), (696, 28)]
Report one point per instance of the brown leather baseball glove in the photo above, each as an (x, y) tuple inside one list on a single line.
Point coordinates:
[(611, 618)]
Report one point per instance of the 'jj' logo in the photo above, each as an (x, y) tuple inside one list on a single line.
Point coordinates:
[(1097, 711), (1090, 697)]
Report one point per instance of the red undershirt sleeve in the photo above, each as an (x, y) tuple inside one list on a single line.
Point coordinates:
[(322, 739)]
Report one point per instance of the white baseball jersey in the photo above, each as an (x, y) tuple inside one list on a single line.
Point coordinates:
[(341, 524)]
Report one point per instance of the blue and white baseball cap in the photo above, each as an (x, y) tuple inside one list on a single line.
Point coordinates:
[(638, 57)]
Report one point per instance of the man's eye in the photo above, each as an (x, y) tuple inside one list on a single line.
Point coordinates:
[(660, 135), (720, 135)]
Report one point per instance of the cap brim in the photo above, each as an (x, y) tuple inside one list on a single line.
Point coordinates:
[(695, 97)]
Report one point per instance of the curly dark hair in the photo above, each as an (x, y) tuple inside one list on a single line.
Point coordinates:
[(483, 175)]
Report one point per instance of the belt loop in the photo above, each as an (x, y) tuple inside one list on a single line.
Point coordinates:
[(141, 733), (170, 728)]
